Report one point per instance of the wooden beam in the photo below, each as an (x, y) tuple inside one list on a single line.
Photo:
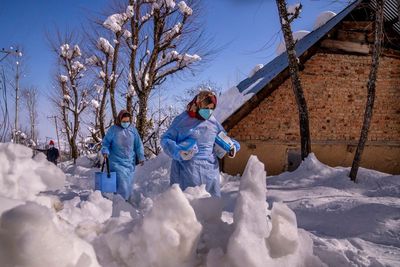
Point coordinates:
[(357, 25), (391, 53), (351, 47), (358, 37)]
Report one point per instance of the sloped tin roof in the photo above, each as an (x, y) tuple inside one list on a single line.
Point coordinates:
[(391, 12), (280, 63)]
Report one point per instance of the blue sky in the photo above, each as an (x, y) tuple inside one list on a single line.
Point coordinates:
[(245, 30)]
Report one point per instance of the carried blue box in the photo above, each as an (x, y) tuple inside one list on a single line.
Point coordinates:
[(223, 144), (105, 181)]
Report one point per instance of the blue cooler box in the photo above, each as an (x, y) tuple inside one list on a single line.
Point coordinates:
[(223, 144), (105, 183)]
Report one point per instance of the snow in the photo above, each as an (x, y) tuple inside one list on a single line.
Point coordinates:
[(127, 34), (152, 243), (30, 237), (77, 66), (350, 224), (255, 69), (189, 59), (115, 22), (314, 216), (63, 78), (105, 46), (21, 177), (229, 102), (296, 37), (145, 17), (95, 209), (68, 53), (291, 9), (129, 11), (185, 9), (170, 3), (175, 30), (323, 18), (64, 50), (102, 74), (131, 90), (95, 103), (77, 51)]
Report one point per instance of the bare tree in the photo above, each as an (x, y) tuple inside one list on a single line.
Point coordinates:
[(371, 85), (102, 62), (191, 92), (72, 97), (15, 68), (106, 62), (163, 39), (287, 16), (30, 98), (160, 120)]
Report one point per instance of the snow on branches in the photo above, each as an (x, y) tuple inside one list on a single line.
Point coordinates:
[(63, 78), (115, 22), (127, 34), (69, 53), (105, 46), (95, 104), (172, 33), (185, 9), (293, 12)]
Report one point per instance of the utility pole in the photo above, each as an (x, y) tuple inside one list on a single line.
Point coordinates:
[(16, 137), (55, 122), (17, 54)]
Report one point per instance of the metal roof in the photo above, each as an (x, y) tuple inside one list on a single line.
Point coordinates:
[(280, 63), (391, 12)]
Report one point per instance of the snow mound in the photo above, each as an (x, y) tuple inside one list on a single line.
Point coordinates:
[(22, 177), (323, 18), (96, 209), (296, 37), (167, 236), (257, 241), (30, 237), (352, 224), (229, 102), (152, 178)]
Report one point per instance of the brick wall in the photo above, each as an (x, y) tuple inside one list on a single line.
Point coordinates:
[(335, 90)]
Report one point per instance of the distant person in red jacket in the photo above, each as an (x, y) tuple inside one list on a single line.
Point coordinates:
[(52, 153)]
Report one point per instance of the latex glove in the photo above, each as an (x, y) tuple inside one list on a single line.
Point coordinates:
[(232, 152), (187, 155)]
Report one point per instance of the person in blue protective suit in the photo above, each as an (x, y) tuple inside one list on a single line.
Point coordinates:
[(189, 141), (124, 149)]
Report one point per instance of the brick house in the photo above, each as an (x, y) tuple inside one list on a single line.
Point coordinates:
[(335, 64)]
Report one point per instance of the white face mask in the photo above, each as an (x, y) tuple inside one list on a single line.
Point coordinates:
[(51, 146)]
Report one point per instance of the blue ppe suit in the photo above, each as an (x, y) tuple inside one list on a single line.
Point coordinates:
[(203, 168), (124, 148)]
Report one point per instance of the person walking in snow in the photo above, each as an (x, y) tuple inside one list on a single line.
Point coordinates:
[(52, 153), (189, 141), (123, 148)]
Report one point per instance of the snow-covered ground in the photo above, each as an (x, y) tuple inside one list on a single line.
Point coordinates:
[(313, 216)]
